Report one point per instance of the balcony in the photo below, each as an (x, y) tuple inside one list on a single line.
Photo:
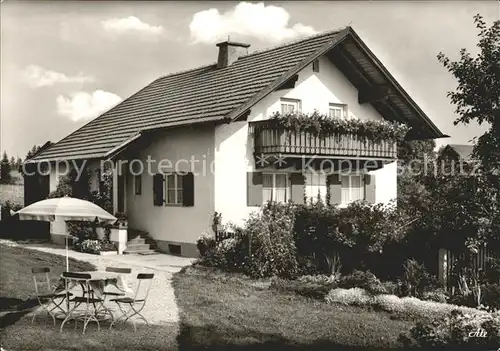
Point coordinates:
[(273, 140)]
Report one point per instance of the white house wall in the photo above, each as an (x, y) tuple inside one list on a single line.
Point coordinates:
[(234, 147), (175, 224)]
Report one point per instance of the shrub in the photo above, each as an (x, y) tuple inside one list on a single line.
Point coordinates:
[(8, 206), (411, 307), (392, 288), (356, 233), (353, 297), (309, 286), (89, 246), (438, 295), (491, 295), (107, 245), (364, 280), (492, 270), (82, 230), (456, 331), (271, 246), (206, 245), (416, 279)]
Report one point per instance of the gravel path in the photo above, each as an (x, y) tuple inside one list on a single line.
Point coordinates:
[(161, 307)]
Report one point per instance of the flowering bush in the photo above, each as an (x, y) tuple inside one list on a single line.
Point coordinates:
[(364, 280), (322, 125), (353, 297), (89, 246), (457, 330), (271, 244), (438, 295), (410, 306)]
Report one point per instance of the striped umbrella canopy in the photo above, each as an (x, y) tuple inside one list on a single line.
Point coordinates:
[(65, 208)]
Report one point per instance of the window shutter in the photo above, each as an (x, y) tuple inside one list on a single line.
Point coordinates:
[(254, 188), (297, 187), (335, 189), (370, 188), (158, 189), (188, 189)]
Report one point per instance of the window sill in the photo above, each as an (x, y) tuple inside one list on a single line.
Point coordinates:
[(173, 205)]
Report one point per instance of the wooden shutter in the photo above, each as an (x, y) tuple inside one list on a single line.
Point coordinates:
[(370, 188), (335, 189), (297, 187), (254, 188), (158, 188), (188, 189)]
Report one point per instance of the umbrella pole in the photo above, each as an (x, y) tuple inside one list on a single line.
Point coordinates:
[(67, 255)]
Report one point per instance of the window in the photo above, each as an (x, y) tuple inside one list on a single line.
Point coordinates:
[(174, 249), (316, 186), (138, 184), (352, 188), (173, 186), (290, 106), (275, 187), (316, 66), (337, 111)]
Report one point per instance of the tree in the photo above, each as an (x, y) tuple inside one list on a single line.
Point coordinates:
[(416, 149), (33, 151), (5, 168), (19, 163), (12, 162), (477, 96)]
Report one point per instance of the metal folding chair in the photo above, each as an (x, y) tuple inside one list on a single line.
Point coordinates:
[(136, 304), (45, 291), (119, 271), (90, 301)]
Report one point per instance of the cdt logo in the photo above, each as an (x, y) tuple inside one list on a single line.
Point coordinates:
[(479, 333)]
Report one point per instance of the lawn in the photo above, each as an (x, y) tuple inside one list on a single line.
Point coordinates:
[(16, 281), (224, 311), (16, 288)]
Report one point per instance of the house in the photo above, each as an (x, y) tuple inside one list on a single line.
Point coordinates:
[(35, 188), (188, 144), (456, 152)]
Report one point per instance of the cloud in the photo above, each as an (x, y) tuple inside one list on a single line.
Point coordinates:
[(267, 23), (38, 77), (85, 106), (130, 24)]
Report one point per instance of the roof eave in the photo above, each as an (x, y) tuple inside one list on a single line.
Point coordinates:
[(436, 133)]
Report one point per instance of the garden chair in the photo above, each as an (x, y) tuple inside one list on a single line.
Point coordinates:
[(120, 271), (131, 307), (44, 291), (89, 314)]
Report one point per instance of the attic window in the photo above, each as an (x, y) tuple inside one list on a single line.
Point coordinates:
[(290, 105), (337, 111), (316, 66)]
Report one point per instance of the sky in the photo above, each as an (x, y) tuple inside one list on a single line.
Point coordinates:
[(64, 63)]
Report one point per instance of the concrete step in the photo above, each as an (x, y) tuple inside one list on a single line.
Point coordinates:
[(140, 252), (133, 246), (137, 241)]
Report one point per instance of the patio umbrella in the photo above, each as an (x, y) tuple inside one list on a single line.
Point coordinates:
[(67, 209)]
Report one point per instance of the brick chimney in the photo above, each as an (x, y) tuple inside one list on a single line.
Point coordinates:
[(229, 51)]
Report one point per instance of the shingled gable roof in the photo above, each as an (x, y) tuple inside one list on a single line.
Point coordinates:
[(204, 94), (463, 151)]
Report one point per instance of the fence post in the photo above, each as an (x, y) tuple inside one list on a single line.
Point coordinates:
[(443, 262)]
